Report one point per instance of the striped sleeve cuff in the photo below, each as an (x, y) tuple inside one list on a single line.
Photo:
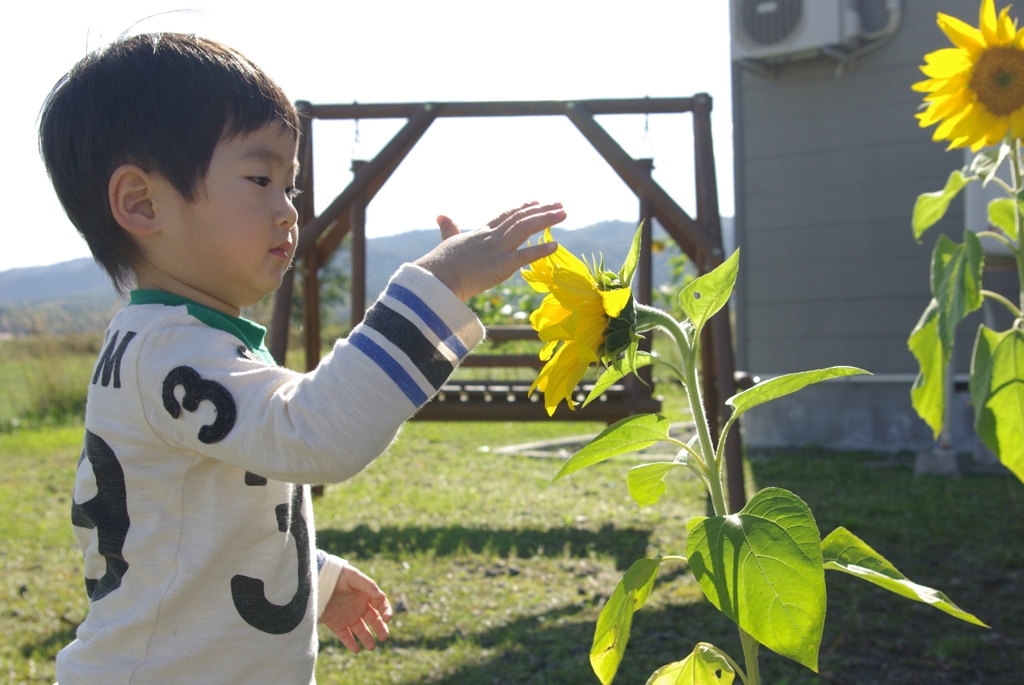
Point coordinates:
[(417, 333)]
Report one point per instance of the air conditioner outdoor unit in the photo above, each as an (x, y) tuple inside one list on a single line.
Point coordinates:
[(782, 30)]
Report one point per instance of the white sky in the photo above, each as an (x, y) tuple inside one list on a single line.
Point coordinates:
[(371, 51)]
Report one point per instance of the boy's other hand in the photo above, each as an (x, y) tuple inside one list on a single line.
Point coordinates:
[(472, 262), (358, 611)]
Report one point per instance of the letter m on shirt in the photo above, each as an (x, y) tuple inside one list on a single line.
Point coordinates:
[(109, 364)]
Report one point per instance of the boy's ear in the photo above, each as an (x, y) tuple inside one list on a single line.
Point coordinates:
[(131, 191)]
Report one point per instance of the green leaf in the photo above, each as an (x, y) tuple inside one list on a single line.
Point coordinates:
[(956, 273), (956, 282), (704, 296), (785, 385), (762, 568), (1002, 213), (844, 551), (928, 393), (647, 482), (621, 367), (706, 665), (628, 435), (632, 258), (613, 625), (997, 392), (930, 207)]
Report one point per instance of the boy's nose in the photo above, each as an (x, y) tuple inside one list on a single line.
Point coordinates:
[(287, 215)]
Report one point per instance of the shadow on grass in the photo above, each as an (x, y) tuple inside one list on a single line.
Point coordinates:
[(625, 545), (554, 647), (549, 645), (905, 645), (47, 649), (959, 536)]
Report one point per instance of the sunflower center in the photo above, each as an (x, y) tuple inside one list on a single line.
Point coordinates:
[(998, 80)]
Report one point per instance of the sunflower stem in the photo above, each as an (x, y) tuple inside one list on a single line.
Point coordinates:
[(1003, 301), (750, 647), (1018, 253), (696, 466), (693, 393), (691, 384), (712, 460), (648, 317)]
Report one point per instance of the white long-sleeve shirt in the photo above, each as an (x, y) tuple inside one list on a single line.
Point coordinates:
[(199, 553)]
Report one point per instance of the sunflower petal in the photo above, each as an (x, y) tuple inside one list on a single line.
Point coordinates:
[(946, 63), (987, 22), (615, 301), (961, 34), (1007, 28)]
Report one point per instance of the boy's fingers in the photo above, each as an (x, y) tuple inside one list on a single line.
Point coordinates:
[(528, 213), (363, 634), (383, 608), (349, 640), (506, 215), (378, 625), (528, 255), (530, 224), (447, 226)]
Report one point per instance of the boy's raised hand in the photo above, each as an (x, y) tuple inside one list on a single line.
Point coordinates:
[(471, 262)]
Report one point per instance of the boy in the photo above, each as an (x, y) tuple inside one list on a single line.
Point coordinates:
[(174, 157)]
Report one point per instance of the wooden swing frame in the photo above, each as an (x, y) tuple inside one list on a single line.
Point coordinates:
[(700, 238)]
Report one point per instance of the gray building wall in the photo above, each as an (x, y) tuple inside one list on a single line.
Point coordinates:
[(828, 165)]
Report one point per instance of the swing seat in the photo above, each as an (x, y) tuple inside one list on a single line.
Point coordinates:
[(510, 400), (502, 401)]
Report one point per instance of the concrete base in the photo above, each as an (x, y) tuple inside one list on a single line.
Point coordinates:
[(986, 458), (940, 461), (848, 415), (871, 415)]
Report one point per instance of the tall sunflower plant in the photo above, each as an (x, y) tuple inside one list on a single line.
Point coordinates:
[(974, 92), (763, 566)]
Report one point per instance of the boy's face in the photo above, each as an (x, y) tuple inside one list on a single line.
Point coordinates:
[(232, 246)]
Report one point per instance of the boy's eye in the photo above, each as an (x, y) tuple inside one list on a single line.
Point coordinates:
[(263, 181)]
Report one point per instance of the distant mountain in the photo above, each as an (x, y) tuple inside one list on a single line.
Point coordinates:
[(78, 278), (81, 285)]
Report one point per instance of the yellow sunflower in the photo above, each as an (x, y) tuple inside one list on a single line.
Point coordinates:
[(571, 321), (976, 89)]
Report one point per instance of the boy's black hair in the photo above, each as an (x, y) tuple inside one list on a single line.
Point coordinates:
[(161, 101)]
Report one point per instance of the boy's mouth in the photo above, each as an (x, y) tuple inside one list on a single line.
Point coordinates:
[(283, 250)]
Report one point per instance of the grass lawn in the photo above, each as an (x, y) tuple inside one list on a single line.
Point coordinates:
[(498, 577)]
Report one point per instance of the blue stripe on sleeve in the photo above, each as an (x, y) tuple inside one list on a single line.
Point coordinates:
[(428, 316), (390, 366), (409, 338)]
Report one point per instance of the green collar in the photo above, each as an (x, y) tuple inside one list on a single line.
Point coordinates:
[(249, 332)]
